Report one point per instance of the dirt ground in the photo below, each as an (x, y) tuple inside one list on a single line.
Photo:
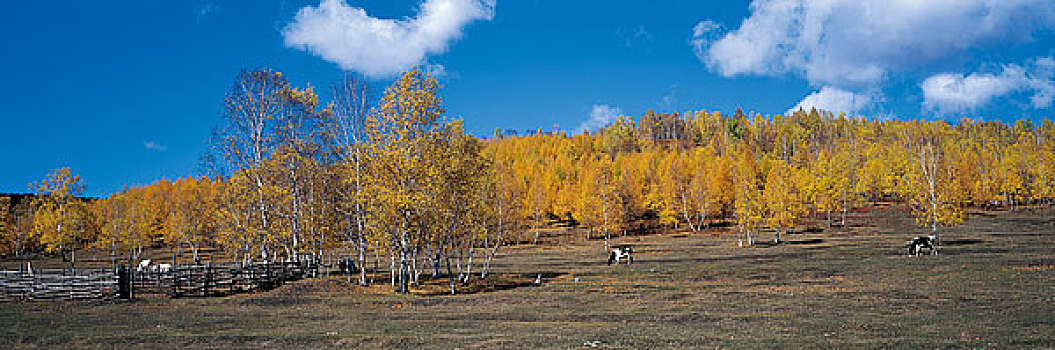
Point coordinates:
[(992, 286)]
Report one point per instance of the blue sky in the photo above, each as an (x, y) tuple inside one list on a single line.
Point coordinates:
[(125, 92)]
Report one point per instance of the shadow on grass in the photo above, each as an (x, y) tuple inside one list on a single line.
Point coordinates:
[(967, 241), (763, 258), (810, 249), (494, 283), (805, 241), (768, 243)]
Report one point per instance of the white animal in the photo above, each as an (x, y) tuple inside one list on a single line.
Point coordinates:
[(143, 265), (160, 268)]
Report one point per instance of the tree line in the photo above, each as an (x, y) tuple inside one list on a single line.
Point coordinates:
[(396, 184), (774, 172)]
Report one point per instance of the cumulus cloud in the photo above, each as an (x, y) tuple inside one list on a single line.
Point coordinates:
[(834, 100), (949, 92), (952, 92), (853, 44), (600, 116), (354, 40), (154, 146)]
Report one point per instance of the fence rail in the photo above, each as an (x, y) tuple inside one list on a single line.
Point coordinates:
[(192, 280), (58, 284)]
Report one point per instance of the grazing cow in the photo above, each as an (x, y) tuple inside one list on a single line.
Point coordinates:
[(143, 265), (916, 246), (621, 252)]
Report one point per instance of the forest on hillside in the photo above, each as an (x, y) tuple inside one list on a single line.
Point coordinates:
[(398, 183)]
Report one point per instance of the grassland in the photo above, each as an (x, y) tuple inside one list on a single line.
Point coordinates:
[(992, 286)]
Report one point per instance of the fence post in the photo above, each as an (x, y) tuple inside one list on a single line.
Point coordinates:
[(32, 284), (208, 276), (175, 281), (131, 278), (68, 282), (262, 279), (131, 282), (236, 276), (123, 282)]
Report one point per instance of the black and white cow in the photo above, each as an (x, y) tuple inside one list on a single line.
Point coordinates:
[(621, 252), (916, 246)]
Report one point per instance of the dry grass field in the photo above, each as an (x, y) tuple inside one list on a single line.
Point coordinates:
[(992, 286)]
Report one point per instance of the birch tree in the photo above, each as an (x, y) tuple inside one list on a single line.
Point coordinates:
[(60, 217), (347, 133), (934, 199), (263, 113), (782, 197), (400, 136)]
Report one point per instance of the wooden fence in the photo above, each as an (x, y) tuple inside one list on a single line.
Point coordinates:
[(217, 279), (194, 280), (64, 284)]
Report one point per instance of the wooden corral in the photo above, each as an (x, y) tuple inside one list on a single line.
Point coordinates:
[(203, 280), (192, 280), (55, 284)]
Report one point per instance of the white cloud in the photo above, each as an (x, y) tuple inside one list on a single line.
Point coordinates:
[(949, 92), (154, 146), (855, 44), (377, 47), (834, 100), (600, 116), (952, 92), (1043, 82)]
